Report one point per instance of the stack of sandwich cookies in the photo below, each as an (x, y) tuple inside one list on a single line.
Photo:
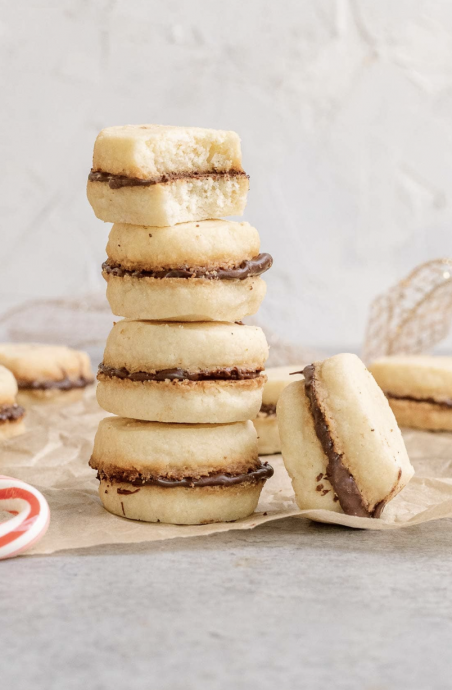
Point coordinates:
[(159, 175), (193, 272), (266, 423), (11, 414), (178, 473), (418, 388), (340, 441), (181, 371), (47, 372)]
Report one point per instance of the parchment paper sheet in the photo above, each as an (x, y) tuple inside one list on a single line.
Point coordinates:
[(53, 456)]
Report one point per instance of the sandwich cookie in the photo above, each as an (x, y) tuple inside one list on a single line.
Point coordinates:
[(44, 372), (183, 372), (265, 423), (340, 441), (178, 473), (159, 175), (418, 388), (191, 272), (11, 414)]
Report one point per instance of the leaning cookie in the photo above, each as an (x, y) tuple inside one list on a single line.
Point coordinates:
[(265, 423), (159, 175), (418, 388), (11, 414), (178, 473), (45, 372), (340, 441), (206, 271), (183, 372)]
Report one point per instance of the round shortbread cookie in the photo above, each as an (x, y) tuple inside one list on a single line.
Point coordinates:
[(266, 423), (170, 449), (41, 367), (8, 387), (153, 346), (210, 243), (181, 506), (340, 440), (190, 402), (416, 376), (150, 471), (268, 439), (421, 415), (182, 299), (179, 201)]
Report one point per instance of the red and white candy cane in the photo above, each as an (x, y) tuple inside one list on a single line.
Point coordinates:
[(31, 516)]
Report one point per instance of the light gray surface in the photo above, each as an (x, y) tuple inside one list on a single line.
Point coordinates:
[(291, 604)]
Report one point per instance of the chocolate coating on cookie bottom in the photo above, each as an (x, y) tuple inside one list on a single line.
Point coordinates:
[(343, 483)]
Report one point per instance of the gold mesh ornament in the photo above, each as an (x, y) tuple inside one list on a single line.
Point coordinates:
[(412, 316)]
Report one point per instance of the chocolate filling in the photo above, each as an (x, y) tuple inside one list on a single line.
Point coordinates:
[(176, 374), (268, 409), (446, 404), (11, 413), (118, 181), (262, 473), (65, 384), (247, 269), (340, 478)]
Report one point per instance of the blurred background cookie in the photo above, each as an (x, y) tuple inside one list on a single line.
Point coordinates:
[(47, 372), (418, 388), (340, 441), (178, 473), (266, 424), (11, 414)]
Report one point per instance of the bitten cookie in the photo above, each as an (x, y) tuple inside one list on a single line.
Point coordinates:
[(159, 175), (11, 414), (45, 371), (340, 441), (178, 473), (183, 372), (206, 271), (418, 388), (266, 424)]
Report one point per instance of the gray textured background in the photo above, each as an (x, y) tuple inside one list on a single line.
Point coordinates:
[(345, 112), (288, 605)]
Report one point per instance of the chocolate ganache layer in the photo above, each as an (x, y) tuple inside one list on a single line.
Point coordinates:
[(11, 413), (262, 473), (65, 384), (248, 268), (118, 181), (268, 409), (446, 404), (342, 481), (176, 374)]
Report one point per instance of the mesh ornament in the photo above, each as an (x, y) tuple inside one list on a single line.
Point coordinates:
[(412, 316)]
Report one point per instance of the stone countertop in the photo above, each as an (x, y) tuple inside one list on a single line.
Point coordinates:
[(289, 604)]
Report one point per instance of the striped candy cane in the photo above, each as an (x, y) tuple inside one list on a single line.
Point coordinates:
[(31, 516)]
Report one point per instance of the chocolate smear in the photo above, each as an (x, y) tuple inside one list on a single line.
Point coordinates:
[(11, 413), (248, 268), (65, 384), (133, 477), (446, 404), (118, 181), (176, 374)]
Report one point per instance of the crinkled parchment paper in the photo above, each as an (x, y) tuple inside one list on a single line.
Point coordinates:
[(53, 456)]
